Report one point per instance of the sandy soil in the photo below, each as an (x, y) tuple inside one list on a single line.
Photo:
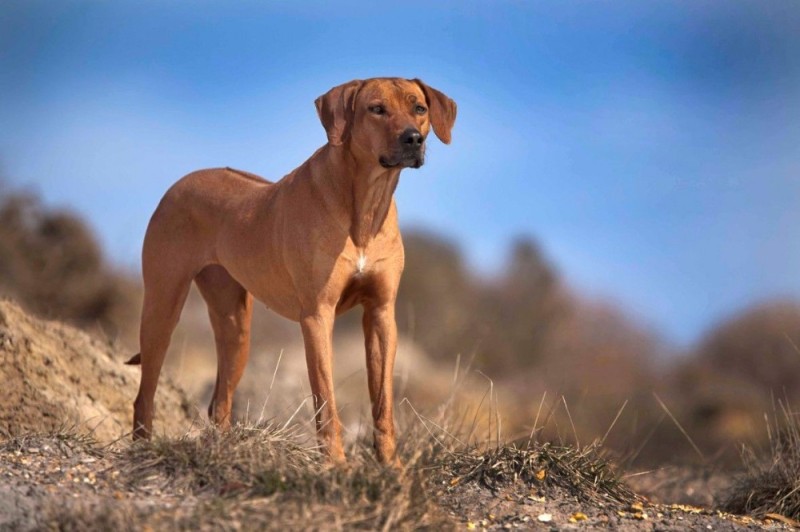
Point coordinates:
[(55, 376)]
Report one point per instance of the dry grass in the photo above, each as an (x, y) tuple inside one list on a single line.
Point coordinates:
[(250, 460), (65, 441), (771, 486), (273, 476), (581, 472), (268, 476)]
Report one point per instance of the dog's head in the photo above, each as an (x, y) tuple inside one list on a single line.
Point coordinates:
[(385, 121)]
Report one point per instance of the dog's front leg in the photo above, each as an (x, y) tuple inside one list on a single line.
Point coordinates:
[(380, 337), (317, 335)]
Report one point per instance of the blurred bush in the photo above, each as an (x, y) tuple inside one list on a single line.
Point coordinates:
[(758, 345), (526, 330), (733, 378), (532, 336), (437, 297), (503, 323), (51, 262)]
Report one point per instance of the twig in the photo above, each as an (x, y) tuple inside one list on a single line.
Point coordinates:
[(619, 413), (677, 424)]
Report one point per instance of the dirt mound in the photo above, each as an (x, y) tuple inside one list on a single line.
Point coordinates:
[(55, 376)]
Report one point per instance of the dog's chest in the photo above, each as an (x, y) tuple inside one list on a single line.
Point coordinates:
[(356, 264), (361, 264)]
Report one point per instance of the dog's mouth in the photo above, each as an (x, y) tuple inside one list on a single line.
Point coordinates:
[(403, 160)]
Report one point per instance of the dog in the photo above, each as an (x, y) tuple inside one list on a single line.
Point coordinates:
[(311, 246)]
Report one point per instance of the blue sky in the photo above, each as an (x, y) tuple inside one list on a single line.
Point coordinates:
[(653, 148)]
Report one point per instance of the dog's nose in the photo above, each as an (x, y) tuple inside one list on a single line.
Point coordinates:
[(411, 138)]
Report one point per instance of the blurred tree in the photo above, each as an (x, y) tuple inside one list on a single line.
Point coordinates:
[(520, 310), (436, 302), (505, 322), (51, 262)]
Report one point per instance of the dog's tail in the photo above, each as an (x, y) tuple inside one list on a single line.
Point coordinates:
[(135, 360)]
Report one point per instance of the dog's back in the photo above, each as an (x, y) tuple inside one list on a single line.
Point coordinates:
[(247, 175)]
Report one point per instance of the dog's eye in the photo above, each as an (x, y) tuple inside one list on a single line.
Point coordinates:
[(377, 110), (420, 110)]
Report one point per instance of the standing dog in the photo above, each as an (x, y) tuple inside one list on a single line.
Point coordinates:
[(311, 246)]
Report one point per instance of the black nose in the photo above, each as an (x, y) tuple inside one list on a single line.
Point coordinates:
[(411, 138)]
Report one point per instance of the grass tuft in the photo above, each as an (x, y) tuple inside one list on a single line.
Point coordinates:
[(581, 472), (64, 441), (771, 486), (235, 473), (255, 460)]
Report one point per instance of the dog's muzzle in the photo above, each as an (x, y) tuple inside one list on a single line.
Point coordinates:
[(410, 152)]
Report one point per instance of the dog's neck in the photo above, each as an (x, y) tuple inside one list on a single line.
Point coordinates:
[(360, 198)]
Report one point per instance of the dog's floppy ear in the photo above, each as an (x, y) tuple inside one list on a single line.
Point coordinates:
[(335, 109), (442, 109)]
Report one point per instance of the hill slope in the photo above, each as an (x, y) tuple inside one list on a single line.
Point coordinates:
[(55, 376)]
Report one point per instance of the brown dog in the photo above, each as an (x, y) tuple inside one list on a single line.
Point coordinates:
[(311, 246)]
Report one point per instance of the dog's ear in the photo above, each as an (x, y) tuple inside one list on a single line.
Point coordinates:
[(442, 109), (335, 109)]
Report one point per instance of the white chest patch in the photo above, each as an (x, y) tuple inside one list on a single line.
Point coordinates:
[(361, 263)]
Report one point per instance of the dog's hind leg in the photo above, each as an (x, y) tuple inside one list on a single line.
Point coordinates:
[(230, 308), (165, 290)]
